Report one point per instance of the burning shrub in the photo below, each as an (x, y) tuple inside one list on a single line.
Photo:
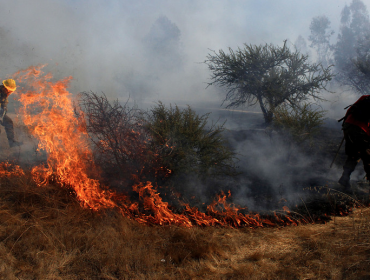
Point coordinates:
[(120, 141)]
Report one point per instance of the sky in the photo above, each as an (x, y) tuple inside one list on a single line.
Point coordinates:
[(102, 44)]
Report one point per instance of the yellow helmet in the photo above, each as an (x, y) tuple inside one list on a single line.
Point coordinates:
[(10, 84)]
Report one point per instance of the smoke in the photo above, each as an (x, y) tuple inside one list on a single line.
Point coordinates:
[(109, 46), (277, 169), (152, 50)]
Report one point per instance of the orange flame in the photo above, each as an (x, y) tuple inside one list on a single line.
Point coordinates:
[(49, 114), (9, 170)]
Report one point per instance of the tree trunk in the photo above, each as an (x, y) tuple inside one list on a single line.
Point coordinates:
[(266, 113)]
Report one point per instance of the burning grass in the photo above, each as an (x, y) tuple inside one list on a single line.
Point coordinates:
[(45, 234)]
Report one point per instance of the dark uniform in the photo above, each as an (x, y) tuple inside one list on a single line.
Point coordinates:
[(6, 121), (357, 136)]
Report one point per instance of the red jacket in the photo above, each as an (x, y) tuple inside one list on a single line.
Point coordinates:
[(350, 119)]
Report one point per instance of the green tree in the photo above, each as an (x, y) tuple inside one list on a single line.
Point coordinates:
[(362, 61), (301, 45), (361, 66), (355, 27), (163, 45), (186, 144), (320, 38), (267, 74)]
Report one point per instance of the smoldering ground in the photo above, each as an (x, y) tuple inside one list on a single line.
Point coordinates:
[(274, 171)]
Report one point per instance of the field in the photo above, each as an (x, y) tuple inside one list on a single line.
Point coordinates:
[(45, 234)]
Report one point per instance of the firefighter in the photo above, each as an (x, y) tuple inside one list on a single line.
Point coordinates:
[(6, 89), (357, 139)]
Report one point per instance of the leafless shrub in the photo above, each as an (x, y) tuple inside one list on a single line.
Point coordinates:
[(119, 140)]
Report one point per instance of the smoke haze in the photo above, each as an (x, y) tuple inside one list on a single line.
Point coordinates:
[(153, 50), (103, 45)]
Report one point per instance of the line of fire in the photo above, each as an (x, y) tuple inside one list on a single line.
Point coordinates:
[(48, 111)]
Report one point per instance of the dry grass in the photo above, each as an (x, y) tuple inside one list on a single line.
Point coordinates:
[(45, 234)]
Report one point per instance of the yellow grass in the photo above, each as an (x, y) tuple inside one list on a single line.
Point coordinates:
[(45, 234)]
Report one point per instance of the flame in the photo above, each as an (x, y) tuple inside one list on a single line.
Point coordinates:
[(47, 110), (9, 170), (161, 212)]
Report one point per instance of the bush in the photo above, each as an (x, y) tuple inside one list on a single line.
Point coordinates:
[(187, 145), (298, 123)]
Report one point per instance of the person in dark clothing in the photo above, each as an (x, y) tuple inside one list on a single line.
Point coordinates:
[(6, 89), (357, 136)]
